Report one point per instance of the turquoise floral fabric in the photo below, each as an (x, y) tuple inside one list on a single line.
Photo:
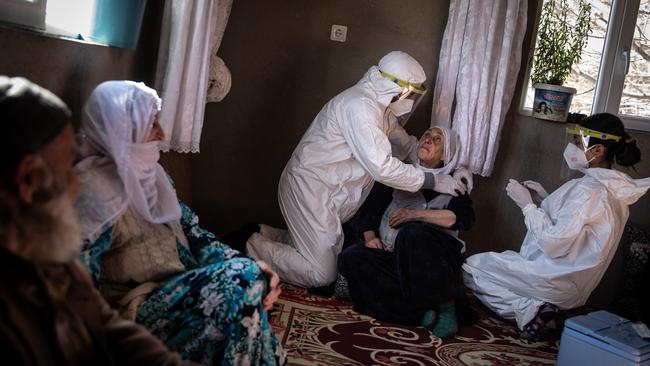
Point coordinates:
[(213, 312)]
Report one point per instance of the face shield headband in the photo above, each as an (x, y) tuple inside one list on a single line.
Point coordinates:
[(407, 100), (417, 88), (581, 136), (574, 160)]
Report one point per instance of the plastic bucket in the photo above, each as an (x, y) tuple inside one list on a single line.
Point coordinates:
[(552, 102)]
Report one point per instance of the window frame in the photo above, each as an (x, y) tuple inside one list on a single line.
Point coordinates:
[(110, 28), (614, 63), (24, 13)]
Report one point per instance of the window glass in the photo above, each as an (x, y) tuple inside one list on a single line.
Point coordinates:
[(585, 73), (70, 17), (112, 22)]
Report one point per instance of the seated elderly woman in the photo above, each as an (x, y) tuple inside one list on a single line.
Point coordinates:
[(411, 272), (146, 251)]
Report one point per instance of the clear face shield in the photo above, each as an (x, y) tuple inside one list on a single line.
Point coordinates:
[(575, 156), (407, 100)]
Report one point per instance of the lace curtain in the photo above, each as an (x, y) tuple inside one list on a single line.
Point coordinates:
[(188, 72), (477, 75)]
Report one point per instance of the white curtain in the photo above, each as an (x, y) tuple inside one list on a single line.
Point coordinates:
[(190, 37), (477, 75)]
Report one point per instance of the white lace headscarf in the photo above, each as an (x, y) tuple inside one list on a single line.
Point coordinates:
[(117, 168), (451, 153)]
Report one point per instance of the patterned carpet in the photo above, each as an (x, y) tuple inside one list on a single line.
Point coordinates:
[(318, 331)]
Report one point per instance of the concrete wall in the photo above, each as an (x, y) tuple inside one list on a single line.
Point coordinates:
[(281, 83), (72, 69), (284, 69)]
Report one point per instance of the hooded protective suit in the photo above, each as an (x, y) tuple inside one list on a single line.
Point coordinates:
[(353, 141), (571, 240)]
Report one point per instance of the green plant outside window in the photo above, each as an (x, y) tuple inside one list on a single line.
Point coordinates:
[(560, 42)]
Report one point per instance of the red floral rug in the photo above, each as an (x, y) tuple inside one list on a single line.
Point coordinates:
[(319, 331)]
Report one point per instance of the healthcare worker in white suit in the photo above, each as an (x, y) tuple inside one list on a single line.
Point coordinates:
[(356, 139), (572, 235)]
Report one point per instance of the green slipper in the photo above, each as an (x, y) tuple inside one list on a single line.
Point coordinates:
[(447, 325)]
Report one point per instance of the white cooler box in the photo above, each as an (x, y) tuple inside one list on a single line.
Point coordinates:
[(602, 339)]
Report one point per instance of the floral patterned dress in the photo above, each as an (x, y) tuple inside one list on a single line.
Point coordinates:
[(212, 313)]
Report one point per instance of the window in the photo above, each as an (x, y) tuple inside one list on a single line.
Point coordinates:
[(58, 19), (614, 73), (112, 22)]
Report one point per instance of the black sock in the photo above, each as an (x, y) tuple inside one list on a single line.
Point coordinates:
[(547, 312), (326, 291)]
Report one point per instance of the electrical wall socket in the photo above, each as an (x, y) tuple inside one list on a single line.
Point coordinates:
[(339, 33)]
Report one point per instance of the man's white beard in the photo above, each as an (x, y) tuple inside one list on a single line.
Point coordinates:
[(50, 230)]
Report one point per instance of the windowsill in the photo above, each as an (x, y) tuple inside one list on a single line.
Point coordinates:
[(527, 112), (635, 124), (50, 33)]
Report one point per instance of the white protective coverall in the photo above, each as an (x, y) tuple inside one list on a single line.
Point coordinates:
[(571, 240), (352, 142)]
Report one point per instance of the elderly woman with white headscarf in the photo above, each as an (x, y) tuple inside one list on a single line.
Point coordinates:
[(410, 272), (145, 250)]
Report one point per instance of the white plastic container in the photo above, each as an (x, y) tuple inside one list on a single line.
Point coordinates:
[(602, 339), (552, 102)]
